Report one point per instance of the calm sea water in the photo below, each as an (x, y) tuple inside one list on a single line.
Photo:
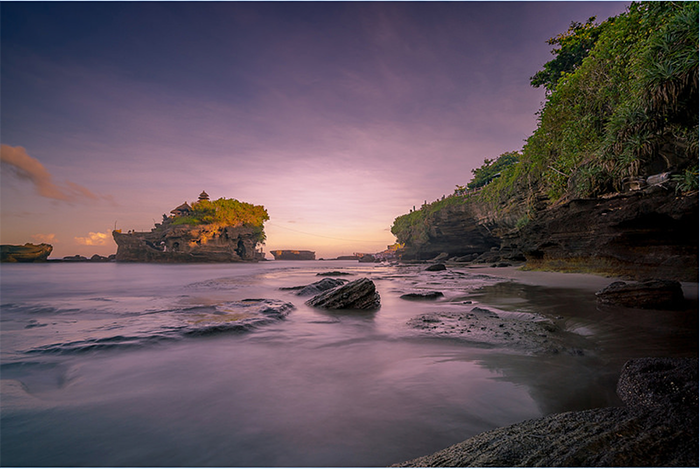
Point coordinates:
[(148, 365)]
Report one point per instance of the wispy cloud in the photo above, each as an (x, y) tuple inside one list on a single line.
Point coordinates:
[(45, 238), (30, 169), (93, 239)]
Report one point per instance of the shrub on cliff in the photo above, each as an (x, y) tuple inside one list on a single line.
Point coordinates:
[(630, 108), (226, 212)]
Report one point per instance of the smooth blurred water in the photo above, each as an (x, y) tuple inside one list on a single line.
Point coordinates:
[(98, 366)]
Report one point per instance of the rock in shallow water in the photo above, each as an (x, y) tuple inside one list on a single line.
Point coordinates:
[(317, 287), (522, 332), (649, 294), (430, 295), (360, 294), (649, 432)]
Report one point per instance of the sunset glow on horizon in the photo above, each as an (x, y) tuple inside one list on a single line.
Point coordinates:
[(337, 117)]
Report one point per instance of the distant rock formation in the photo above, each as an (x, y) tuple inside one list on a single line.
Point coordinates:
[(175, 241), (293, 255), (27, 253), (187, 243)]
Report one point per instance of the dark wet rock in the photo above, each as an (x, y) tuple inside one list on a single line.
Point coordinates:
[(360, 294), (502, 264), (26, 253), (520, 332), (649, 294), (659, 382), (317, 287), (651, 431), (334, 273), (436, 268), (429, 295)]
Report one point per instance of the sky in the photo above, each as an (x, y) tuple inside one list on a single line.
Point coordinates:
[(336, 116)]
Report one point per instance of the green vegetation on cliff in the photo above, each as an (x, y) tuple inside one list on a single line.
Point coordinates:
[(621, 104), (225, 212)]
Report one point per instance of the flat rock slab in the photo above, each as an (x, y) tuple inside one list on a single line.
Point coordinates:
[(649, 294), (334, 273), (436, 268), (525, 332), (429, 295), (639, 435), (360, 294)]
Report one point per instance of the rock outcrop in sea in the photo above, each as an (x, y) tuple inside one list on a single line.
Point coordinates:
[(177, 241), (25, 253), (293, 255)]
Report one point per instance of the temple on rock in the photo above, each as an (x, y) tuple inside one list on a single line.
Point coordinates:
[(182, 237)]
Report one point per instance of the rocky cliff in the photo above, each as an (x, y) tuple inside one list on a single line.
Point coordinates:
[(26, 253), (457, 229), (638, 234), (189, 243)]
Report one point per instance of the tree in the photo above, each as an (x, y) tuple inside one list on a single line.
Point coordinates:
[(573, 46)]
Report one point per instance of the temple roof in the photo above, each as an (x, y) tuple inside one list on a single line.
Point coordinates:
[(203, 196), (182, 208)]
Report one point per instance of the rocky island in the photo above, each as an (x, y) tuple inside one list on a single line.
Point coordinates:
[(224, 230), (293, 255), (26, 253)]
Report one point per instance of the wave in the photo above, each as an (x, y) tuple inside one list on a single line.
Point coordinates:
[(151, 329)]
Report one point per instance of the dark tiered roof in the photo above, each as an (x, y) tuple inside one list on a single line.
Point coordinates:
[(182, 208)]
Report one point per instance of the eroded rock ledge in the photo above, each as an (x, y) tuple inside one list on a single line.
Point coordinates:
[(657, 427)]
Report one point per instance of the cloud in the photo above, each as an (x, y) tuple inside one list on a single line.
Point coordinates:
[(93, 239), (27, 168), (45, 238)]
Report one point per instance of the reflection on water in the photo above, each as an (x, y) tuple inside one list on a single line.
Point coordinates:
[(314, 388)]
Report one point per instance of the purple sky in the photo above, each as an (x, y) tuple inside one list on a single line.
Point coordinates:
[(337, 117)]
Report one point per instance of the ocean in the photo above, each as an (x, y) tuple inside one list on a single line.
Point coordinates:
[(218, 365)]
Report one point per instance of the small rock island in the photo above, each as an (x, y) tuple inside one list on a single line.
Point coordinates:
[(26, 253), (223, 230), (293, 255)]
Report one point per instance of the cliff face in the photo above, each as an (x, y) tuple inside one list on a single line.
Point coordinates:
[(640, 234), (459, 230), (188, 243), (26, 253)]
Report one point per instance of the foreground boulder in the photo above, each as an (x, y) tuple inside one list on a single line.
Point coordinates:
[(26, 253), (317, 287), (436, 268), (360, 294), (658, 427), (649, 294)]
